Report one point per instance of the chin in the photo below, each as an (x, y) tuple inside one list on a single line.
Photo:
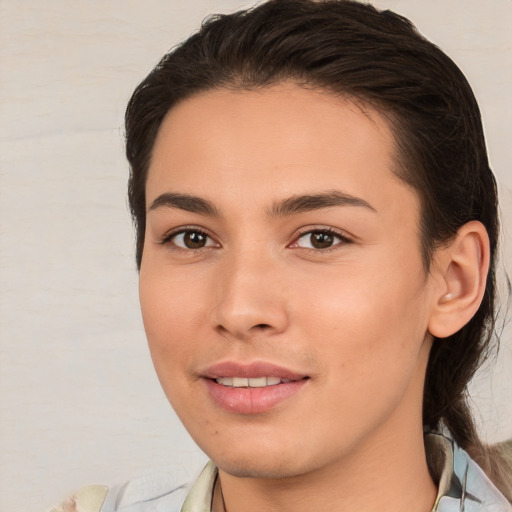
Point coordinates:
[(256, 469), (261, 464)]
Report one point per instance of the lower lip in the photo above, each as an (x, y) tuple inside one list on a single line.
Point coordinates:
[(252, 400)]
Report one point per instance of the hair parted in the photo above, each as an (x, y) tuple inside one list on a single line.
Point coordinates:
[(378, 59)]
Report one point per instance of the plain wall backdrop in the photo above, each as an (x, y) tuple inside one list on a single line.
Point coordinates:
[(79, 401)]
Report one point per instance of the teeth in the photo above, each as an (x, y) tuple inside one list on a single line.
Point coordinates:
[(251, 382), (259, 382), (225, 381)]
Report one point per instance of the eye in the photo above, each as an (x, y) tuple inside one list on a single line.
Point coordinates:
[(320, 239), (190, 239)]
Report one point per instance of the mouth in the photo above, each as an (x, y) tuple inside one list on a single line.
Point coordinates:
[(252, 388), (250, 382)]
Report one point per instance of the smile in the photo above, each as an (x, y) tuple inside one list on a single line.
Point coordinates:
[(250, 382), (252, 388)]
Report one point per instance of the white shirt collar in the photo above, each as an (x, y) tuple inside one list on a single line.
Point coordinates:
[(463, 485)]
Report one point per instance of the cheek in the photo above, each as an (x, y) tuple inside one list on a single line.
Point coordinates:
[(369, 326), (170, 297), (172, 315)]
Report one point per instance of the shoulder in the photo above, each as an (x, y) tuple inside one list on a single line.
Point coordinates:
[(87, 499), (463, 484), (162, 489)]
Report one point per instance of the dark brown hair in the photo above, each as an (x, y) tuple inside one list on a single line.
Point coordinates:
[(378, 59)]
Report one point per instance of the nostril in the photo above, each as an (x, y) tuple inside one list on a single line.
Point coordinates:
[(261, 326)]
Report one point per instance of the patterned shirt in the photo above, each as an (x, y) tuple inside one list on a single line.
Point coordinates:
[(463, 487)]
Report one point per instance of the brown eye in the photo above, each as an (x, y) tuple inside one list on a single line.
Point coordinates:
[(319, 240), (192, 240)]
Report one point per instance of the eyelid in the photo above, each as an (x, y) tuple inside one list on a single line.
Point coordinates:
[(168, 236), (342, 235)]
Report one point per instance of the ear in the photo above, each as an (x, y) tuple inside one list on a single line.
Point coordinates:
[(460, 273)]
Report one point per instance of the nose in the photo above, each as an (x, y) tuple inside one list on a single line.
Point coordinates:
[(251, 298)]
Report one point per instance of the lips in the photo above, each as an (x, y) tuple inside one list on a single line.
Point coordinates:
[(251, 388), (251, 370), (250, 382)]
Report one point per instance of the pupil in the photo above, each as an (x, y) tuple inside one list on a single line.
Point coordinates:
[(321, 240), (194, 240)]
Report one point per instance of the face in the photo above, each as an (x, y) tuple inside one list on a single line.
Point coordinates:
[(282, 286)]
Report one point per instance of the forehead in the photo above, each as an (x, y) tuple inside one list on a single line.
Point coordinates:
[(279, 140)]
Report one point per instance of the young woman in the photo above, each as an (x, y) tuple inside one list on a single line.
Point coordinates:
[(316, 237)]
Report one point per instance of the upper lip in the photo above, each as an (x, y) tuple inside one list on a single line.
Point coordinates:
[(255, 369)]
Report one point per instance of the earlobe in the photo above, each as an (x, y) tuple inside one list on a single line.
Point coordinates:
[(461, 273)]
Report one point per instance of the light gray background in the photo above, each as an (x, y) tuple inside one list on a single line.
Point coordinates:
[(78, 399)]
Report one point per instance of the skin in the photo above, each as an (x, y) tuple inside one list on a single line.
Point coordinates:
[(353, 317)]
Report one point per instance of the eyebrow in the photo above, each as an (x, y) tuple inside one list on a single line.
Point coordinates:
[(185, 202), (290, 206), (311, 202)]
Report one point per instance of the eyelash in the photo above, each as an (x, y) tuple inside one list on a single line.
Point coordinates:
[(170, 236), (343, 239)]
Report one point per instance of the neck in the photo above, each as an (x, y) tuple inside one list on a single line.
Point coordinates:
[(389, 473)]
